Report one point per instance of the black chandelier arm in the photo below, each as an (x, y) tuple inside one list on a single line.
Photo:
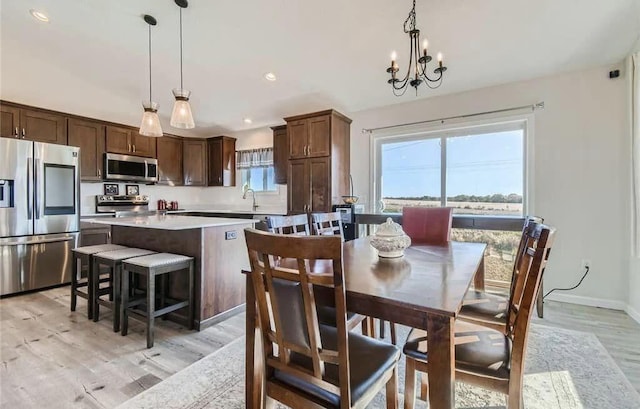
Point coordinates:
[(429, 79)]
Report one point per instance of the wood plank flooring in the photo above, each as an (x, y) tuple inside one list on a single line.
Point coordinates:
[(54, 358)]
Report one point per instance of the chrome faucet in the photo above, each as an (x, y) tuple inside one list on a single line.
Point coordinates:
[(246, 190)]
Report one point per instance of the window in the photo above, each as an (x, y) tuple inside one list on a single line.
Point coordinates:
[(478, 170), (256, 169)]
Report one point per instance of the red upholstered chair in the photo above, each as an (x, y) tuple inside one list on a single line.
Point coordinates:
[(427, 225)]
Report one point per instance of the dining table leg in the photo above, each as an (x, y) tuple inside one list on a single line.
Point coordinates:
[(478, 279), (440, 344), (253, 363)]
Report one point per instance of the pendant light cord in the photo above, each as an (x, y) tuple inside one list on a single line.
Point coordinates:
[(150, 64), (181, 85)]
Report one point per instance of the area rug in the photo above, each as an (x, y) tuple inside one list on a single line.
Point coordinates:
[(564, 369)]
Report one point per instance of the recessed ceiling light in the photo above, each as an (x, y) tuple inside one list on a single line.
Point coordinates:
[(247, 120), (270, 76), (39, 15)]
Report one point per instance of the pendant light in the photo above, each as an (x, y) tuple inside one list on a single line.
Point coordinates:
[(150, 125), (181, 117)]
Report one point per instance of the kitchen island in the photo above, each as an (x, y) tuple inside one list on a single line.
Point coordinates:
[(216, 244)]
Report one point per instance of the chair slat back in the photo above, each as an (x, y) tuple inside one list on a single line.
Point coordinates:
[(534, 260), (327, 224), (427, 225), (284, 288), (526, 241), (297, 224)]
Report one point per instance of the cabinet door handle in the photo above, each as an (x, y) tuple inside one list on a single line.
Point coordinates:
[(99, 173), (23, 133), (134, 148), (16, 135), (308, 150), (129, 148)]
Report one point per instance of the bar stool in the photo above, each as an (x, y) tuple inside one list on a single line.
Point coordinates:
[(113, 260), (83, 257), (152, 266)]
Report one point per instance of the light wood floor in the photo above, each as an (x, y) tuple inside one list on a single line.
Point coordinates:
[(54, 358)]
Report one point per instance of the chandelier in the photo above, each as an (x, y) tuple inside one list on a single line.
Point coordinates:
[(417, 62)]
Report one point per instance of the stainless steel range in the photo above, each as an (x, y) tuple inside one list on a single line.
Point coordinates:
[(123, 206)]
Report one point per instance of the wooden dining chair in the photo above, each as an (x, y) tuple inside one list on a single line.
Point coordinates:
[(307, 364), (483, 356), (427, 225), (297, 224), (488, 309), (327, 224)]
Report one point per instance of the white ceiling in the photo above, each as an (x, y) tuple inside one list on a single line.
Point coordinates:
[(91, 58)]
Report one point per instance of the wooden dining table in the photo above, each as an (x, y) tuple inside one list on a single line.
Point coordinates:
[(423, 289)]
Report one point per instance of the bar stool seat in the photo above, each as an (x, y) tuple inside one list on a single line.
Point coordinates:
[(82, 256), (151, 266), (113, 260)]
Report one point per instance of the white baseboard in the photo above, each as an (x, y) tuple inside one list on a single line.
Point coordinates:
[(633, 313), (589, 301)]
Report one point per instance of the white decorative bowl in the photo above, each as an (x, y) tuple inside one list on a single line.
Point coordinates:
[(390, 240)]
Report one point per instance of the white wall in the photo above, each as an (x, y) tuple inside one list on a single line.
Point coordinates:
[(581, 169), (206, 197)]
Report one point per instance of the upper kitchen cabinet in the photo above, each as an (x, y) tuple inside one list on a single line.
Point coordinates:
[(194, 161), (9, 121), (169, 150), (127, 141), (33, 124), (280, 154), (318, 166), (221, 152), (90, 137), (310, 135)]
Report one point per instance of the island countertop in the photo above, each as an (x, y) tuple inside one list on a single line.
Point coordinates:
[(170, 222)]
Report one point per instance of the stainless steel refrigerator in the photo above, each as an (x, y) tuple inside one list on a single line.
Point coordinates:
[(39, 213)]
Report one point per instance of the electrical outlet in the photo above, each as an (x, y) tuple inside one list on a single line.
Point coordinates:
[(230, 235), (585, 264)]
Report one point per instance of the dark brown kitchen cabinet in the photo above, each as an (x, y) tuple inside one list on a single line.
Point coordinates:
[(280, 154), (221, 152), (309, 137), (194, 162), (169, 150), (90, 137), (33, 124), (128, 141), (310, 185), (9, 121), (318, 166)]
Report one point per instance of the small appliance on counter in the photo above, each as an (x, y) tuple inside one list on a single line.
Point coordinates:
[(164, 205), (39, 214), (123, 206), (348, 216)]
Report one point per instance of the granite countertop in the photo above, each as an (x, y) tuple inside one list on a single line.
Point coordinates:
[(170, 222)]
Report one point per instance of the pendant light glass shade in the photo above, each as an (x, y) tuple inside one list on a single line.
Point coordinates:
[(150, 125), (181, 117)]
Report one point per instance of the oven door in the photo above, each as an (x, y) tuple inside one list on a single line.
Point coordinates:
[(57, 189)]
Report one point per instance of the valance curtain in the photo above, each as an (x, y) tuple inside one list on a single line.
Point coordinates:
[(635, 138), (255, 158)]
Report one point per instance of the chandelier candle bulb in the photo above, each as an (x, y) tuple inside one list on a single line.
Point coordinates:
[(440, 59)]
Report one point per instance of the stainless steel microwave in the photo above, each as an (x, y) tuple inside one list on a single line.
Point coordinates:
[(130, 168)]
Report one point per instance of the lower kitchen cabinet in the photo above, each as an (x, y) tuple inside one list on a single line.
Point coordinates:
[(309, 185)]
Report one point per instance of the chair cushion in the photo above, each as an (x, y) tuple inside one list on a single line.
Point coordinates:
[(484, 307), (327, 315), (478, 349), (158, 259), (123, 254), (98, 248), (368, 361)]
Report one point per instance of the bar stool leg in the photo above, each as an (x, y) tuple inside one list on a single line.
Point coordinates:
[(94, 273), (74, 282), (124, 293), (117, 277), (191, 290), (151, 291)]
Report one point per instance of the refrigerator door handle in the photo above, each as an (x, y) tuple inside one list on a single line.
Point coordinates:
[(30, 187), (36, 192), (41, 241)]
